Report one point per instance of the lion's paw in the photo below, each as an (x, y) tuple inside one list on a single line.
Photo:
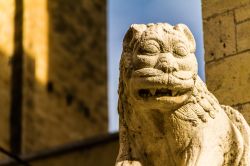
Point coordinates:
[(128, 163)]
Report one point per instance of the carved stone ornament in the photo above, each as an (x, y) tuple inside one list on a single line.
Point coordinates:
[(167, 115)]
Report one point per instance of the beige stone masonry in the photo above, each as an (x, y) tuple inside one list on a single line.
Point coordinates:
[(243, 36), (242, 14), (229, 79), (219, 36), (63, 55), (65, 87), (244, 109), (215, 7), (227, 76)]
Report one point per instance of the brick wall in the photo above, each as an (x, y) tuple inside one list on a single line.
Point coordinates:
[(226, 25)]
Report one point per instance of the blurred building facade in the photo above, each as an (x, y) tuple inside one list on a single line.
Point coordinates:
[(54, 82)]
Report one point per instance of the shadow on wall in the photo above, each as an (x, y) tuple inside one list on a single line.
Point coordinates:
[(5, 100), (64, 72), (64, 91)]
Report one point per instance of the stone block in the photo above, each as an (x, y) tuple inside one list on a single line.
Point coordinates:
[(229, 79), (213, 7), (242, 13), (243, 34), (219, 36)]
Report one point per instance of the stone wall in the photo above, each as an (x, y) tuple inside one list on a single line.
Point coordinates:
[(101, 150), (226, 25), (63, 87), (65, 83), (100, 155), (104, 155)]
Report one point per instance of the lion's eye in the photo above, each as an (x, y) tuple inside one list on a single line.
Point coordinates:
[(149, 47), (180, 50)]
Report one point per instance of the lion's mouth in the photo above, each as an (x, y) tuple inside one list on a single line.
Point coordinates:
[(162, 92)]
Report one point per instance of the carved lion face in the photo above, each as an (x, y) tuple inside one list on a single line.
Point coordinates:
[(159, 64)]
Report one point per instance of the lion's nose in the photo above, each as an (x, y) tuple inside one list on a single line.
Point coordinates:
[(167, 63)]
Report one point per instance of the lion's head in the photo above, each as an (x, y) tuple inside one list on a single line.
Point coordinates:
[(158, 70), (158, 64)]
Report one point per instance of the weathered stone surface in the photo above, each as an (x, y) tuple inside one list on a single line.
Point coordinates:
[(65, 87), (106, 157), (219, 36), (229, 79), (243, 34), (4, 100), (244, 109), (6, 51), (167, 115), (243, 13), (212, 7)]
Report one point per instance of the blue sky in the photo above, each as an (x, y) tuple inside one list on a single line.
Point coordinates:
[(123, 13)]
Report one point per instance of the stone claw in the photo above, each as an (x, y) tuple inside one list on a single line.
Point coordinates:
[(128, 163)]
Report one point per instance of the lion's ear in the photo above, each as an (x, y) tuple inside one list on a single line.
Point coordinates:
[(185, 30), (132, 35)]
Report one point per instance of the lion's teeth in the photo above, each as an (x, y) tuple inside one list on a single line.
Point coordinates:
[(174, 93), (152, 91)]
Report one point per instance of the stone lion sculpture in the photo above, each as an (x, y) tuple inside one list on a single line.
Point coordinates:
[(167, 115)]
